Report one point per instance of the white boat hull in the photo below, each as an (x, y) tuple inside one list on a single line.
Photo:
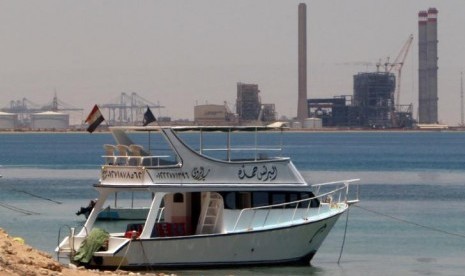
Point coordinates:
[(204, 211), (295, 244)]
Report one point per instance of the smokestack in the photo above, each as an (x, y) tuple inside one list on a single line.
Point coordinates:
[(432, 63), (428, 67), (302, 107), (423, 104)]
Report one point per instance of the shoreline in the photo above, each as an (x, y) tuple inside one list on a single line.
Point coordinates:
[(18, 258), (291, 130)]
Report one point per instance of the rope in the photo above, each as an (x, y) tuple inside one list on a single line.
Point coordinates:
[(148, 266), (344, 238), (124, 256), (38, 196), (412, 223), (16, 209)]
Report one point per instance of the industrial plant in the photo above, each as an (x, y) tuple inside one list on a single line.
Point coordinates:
[(25, 114), (374, 104), (249, 109), (127, 109)]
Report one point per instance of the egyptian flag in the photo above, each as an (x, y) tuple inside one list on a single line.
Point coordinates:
[(94, 119), (148, 117)]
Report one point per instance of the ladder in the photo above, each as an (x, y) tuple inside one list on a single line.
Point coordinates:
[(212, 211)]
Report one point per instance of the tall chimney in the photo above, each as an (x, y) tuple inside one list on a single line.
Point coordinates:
[(428, 66), (432, 63), (302, 107), (423, 102)]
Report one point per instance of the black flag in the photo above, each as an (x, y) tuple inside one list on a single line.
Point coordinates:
[(148, 117)]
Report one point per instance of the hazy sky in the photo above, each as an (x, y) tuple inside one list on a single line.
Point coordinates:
[(180, 53)]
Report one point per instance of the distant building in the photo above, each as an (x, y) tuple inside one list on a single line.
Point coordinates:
[(8, 120), (210, 113), (374, 98), (248, 102), (268, 113), (49, 120), (333, 112)]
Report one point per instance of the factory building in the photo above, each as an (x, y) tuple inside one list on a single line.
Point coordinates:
[(248, 102), (49, 120), (249, 106), (374, 98), (427, 67), (8, 120), (268, 113), (210, 114), (334, 112)]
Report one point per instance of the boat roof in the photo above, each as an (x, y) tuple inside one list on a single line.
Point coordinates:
[(274, 126)]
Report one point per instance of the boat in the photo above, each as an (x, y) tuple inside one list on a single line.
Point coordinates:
[(228, 204)]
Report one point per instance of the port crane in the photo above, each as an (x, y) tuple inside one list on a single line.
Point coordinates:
[(127, 109)]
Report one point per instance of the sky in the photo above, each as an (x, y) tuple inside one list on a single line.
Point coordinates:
[(182, 53)]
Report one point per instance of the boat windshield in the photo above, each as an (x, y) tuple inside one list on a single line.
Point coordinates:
[(149, 147), (235, 146)]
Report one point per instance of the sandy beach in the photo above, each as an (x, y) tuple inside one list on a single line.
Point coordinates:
[(18, 258)]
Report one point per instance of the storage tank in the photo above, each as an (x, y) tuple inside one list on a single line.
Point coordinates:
[(8, 120), (296, 124), (313, 123), (49, 120)]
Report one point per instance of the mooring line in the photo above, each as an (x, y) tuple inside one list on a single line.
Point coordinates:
[(412, 223), (19, 210), (38, 196), (344, 238)]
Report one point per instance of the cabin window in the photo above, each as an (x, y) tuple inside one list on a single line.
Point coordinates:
[(313, 203), (229, 200), (178, 198), (243, 200), (292, 197), (260, 199), (278, 198)]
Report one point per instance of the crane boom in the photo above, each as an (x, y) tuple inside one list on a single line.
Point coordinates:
[(398, 64)]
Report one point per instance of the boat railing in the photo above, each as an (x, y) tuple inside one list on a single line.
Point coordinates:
[(258, 152), (264, 216), (125, 160), (134, 155)]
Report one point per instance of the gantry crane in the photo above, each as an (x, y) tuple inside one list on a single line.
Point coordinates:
[(129, 108)]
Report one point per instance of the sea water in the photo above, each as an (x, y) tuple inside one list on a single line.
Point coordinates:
[(410, 220)]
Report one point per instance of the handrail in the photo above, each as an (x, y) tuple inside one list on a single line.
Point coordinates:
[(160, 214), (241, 149), (136, 157), (256, 150), (336, 182), (345, 186)]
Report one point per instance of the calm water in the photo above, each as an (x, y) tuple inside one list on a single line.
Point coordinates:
[(411, 220)]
